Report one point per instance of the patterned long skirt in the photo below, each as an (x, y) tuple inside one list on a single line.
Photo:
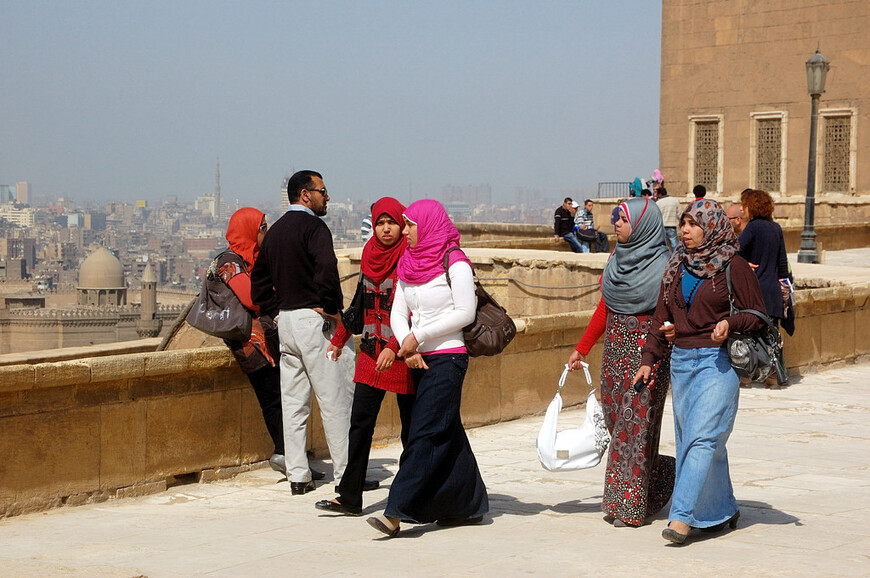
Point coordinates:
[(638, 481)]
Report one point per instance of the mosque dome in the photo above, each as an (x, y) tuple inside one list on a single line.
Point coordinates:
[(101, 270)]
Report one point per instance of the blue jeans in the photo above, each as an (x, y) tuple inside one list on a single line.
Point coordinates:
[(705, 390), (671, 235), (576, 245)]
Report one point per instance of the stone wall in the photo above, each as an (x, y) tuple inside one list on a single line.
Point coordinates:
[(95, 428)]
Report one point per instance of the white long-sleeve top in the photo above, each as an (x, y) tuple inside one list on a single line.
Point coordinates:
[(435, 311)]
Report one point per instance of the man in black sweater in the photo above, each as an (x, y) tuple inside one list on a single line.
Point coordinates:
[(296, 279)]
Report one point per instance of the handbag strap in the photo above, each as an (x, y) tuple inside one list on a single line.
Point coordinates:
[(564, 376), (764, 317)]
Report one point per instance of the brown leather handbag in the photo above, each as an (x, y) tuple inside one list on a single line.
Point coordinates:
[(492, 329)]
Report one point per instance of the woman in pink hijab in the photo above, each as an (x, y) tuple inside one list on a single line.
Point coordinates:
[(438, 480)]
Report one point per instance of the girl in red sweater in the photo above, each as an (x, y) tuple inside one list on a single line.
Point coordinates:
[(377, 369)]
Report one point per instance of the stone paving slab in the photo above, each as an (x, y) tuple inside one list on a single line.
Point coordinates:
[(799, 462)]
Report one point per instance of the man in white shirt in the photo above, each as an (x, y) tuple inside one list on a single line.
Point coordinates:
[(670, 209)]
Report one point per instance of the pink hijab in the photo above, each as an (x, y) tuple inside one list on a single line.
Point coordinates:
[(435, 234)]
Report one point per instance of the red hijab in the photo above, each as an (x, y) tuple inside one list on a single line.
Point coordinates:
[(378, 260), (242, 233)]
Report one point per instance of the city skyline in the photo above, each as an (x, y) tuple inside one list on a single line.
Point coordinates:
[(121, 101)]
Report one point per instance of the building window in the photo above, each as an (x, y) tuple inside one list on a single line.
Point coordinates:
[(836, 174), (706, 152), (767, 151)]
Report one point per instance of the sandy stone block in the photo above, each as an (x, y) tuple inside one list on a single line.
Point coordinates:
[(17, 377), (116, 367), (170, 385), (230, 378), (256, 443), (189, 433), (47, 456), (9, 402), (804, 347), (481, 391), (122, 444), (166, 362), (62, 372), (102, 393), (862, 331), (44, 399), (840, 343), (144, 489), (211, 358)]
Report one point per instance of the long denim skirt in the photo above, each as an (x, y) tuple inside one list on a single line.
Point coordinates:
[(705, 390)]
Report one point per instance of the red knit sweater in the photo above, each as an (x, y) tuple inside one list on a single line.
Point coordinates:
[(377, 324)]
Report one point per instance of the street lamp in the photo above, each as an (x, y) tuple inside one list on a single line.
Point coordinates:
[(817, 69)]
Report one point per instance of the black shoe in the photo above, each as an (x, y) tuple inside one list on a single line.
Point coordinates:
[(453, 522), (337, 508), (297, 488), (673, 536), (731, 523), (315, 475), (370, 485)]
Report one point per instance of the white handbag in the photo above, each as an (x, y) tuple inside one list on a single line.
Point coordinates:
[(576, 448)]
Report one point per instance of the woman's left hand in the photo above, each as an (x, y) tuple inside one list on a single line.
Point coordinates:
[(416, 362), (409, 346), (385, 359), (720, 332)]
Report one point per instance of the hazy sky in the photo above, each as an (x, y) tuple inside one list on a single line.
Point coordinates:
[(129, 100)]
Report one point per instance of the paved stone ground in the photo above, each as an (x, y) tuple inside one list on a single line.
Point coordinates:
[(799, 460)]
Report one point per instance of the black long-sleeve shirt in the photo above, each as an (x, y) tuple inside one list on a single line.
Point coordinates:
[(563, 222), (296, 267)]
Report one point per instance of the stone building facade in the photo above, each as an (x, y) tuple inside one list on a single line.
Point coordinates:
[(735, 111)]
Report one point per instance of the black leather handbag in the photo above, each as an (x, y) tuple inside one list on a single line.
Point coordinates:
[(353, 318), (757, 354)]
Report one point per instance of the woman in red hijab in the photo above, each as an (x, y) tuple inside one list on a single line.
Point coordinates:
[(257, 356), (377, 369)]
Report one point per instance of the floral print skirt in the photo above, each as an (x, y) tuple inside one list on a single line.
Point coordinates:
[(638, 481)]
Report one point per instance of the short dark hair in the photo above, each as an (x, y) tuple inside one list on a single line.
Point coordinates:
[(700, 191), (646, 193), (300, 180), (568, 200), (663, 192), (587, 201)]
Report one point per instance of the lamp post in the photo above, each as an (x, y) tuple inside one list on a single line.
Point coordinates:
[(817, 69)]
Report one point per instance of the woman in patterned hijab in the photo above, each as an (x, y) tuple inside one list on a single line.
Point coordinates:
[(694, 315)]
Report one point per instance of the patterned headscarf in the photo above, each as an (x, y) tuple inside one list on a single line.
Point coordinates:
[(633, 274), (716, 249), (435, 234)]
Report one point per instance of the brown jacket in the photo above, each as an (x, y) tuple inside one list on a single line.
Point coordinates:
[(709, 306)]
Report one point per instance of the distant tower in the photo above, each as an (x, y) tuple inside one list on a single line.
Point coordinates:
[(217, 189), (148, 324)]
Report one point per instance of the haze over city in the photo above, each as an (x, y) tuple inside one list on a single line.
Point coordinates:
[(126, 100)]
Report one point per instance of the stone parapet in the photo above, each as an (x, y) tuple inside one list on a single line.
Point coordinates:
[(91, 428)]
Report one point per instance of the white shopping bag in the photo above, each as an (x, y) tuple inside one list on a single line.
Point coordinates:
[(576, 448)]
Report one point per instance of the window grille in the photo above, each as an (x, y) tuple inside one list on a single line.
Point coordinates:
[(707, 154), (838, 134), (768, 154)]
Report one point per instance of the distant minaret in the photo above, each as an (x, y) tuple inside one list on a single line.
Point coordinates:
[(148, 324), (217, 189)]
